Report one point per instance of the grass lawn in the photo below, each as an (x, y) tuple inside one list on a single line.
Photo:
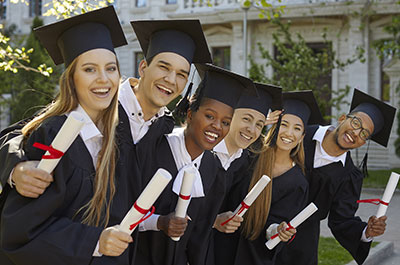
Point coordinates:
[(379, 178), (331, 253)]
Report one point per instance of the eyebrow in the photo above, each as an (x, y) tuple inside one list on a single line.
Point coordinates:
[(89, 63), (297, 124), (226, 117), (167, 63)]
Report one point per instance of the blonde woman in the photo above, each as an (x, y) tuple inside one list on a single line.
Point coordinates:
[(67, 223)]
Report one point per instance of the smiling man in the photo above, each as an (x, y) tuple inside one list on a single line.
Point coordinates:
[(335, 182)]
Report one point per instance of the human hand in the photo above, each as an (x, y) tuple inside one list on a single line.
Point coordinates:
[(230, 226), (172, 225), (113, 242), (29, 180), (273, 117), (376, 226), (284, 234)]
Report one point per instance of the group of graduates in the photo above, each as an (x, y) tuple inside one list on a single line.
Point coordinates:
[(71, 216)]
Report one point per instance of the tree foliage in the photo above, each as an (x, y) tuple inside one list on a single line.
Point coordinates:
[(297, 66)]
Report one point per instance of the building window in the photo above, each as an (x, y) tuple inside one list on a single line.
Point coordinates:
[(3, 9), (140, 3), (385, 83), (138, 58), (35, 8), (172, 2), (222, 57)]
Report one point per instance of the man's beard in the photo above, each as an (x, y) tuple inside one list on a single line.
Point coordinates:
[(336, 137)]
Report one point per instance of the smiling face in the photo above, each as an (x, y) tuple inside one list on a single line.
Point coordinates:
[(163, 79), (346, 137), (246, 127), (96, 80), (207, 126), (291, 132)]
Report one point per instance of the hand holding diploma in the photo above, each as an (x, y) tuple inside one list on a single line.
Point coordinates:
[(146, 199), (231, 226), (250, 198), (184, 196), (295, 222), (113, 242)]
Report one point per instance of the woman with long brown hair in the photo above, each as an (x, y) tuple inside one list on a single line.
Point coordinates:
[(281, 157), (67, 223)]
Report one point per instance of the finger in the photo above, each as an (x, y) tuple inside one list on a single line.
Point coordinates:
[(28, 194), (37, 183), (32, 189), (124, 237)]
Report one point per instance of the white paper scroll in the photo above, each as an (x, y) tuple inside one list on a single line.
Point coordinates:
[(295, 222), (250, 198), (63, 140), (146, 199), (184, 195), (387, 195)]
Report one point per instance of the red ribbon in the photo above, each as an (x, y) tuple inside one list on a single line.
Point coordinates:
[(373, 201), (184, 197), (54, 153), (142, 211), (289, 226), (242, 208)]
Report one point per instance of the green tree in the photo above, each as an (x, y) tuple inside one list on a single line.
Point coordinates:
[(29, 90), (297, 66), (391, 48)]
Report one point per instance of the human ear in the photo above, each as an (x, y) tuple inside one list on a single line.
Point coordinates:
[(342, 117), (142, 67)]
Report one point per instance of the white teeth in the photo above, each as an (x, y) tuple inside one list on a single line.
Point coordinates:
[(350, 138), (169, 91), (245, 136), (101, 90), (214, 135), (286, 140)]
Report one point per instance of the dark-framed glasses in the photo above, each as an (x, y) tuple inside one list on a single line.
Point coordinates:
[(356, 124)]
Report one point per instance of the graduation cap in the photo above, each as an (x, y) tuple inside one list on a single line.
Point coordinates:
[(67, 39), (184, 37), (381, 114), (269, 97), (223, 85), (304, 105)]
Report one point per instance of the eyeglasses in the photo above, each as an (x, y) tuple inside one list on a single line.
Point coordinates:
[(356, 123)]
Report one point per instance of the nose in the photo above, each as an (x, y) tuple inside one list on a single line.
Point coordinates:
[(251, 128), (217, 124), (171, 77), (102, 76)]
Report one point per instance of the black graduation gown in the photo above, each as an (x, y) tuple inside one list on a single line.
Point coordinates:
[(335, 190), (47, 230), (289, 197), (155, 247)]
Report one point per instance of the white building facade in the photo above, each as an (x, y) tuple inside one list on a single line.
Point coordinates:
[(348, 24)]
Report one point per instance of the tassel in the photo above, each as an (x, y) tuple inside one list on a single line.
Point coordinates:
[(183, 104), (363, 165)]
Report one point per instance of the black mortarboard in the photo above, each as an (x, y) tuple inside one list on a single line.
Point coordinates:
[(269, 97), (381, 114), (67, 39), (184, 37), (224, 85), (304, 105)]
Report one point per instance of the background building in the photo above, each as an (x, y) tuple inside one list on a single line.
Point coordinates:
[(349, 24)]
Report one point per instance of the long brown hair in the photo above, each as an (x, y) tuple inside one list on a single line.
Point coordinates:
[(66, 101), (257, 215)]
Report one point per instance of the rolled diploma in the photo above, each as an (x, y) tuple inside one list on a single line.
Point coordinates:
[(295, 222), (186, 190), (253, 194), (64, 138), (387, 195), (146, 199)]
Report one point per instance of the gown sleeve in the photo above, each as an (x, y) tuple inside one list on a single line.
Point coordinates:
[(45, 230), (345, 226)]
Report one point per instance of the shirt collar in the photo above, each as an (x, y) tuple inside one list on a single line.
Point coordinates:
[(89, 129), (319, 136), (222, 152), (130, 103)]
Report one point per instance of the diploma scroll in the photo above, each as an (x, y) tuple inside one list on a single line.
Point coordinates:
[(63, 140), (295, 222), (387, 195), (250, 198), (184, 196), (146, 199)]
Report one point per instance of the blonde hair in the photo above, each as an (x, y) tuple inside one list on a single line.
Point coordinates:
[(66, 101), (257, 214)]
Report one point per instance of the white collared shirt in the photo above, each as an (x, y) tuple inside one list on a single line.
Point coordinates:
[(183, 160), (222, 152), (321, 158), (129, 102)]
